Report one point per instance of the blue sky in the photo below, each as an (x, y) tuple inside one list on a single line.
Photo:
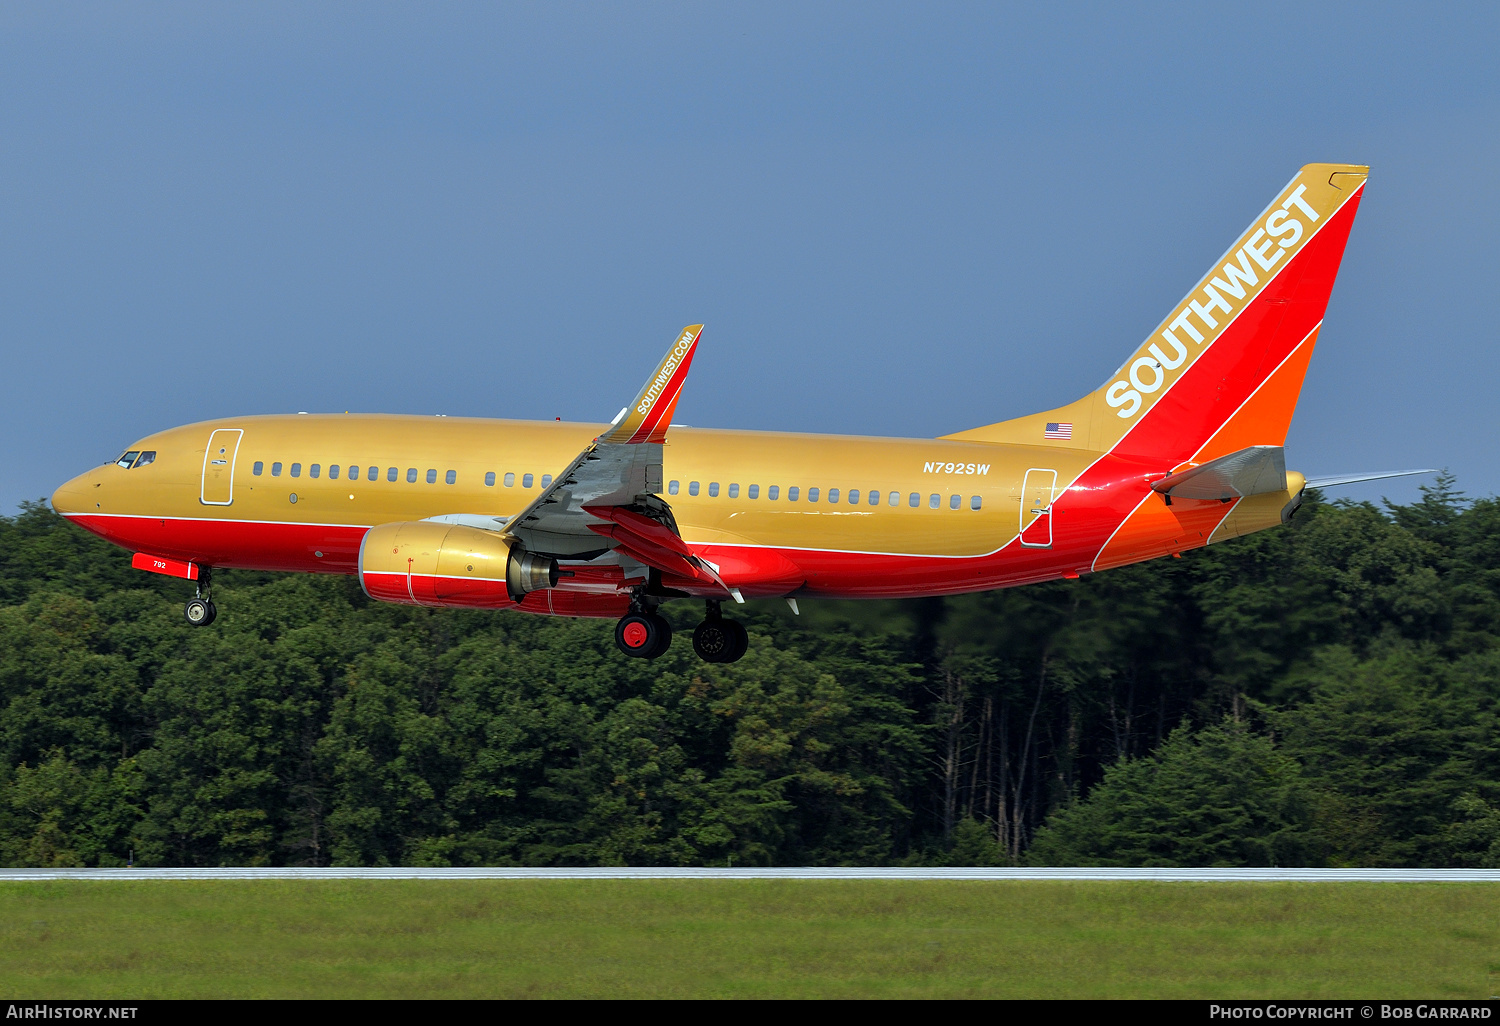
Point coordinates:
[(894, 219)]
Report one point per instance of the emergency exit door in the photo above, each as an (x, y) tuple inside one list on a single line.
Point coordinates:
[(218, 467), (1036, 508)]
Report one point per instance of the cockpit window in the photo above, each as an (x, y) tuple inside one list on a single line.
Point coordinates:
[(128, 460), (149, 456)]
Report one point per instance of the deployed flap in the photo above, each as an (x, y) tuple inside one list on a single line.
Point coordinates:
[(651, 542), (1253, 471), (622, 467)]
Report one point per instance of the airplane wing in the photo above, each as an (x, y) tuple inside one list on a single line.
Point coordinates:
[(609, 496)]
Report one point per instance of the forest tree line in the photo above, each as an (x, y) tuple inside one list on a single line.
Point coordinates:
[(1321, 694)]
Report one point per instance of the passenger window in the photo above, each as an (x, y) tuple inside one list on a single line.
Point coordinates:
[(276, 470), (315, 470), (546, 480), (792, 493), (773, 492), (411, 475), (734, 491), (854, 496), (258, 468), (874, 497), (526, 480), (452, 477), (392, 473), (489, 479), (713, 489), (510, 480), (149, 456), (955, 501), (974, 502), (935, 501), (128, 459), (692, 487), (812, 495), (833, 495), (373, 475), (914, 500), (755, 491), (333, 471), (296, 470), (895, 498), (431, 476), (672, 487)]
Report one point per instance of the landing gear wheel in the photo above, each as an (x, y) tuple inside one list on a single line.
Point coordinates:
[(741, 641), (643, 635), (199, 612), (664, 640), (717, 640)]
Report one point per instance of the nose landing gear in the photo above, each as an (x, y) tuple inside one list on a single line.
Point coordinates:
[(717, 640), (200, 610)]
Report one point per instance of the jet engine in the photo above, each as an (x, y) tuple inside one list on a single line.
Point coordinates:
[(423, 563)]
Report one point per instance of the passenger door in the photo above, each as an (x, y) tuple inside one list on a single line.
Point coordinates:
[(218, 467), (1036, 508)]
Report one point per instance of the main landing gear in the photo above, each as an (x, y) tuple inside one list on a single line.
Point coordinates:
[(717, 640), (645, 633), (200, 610)]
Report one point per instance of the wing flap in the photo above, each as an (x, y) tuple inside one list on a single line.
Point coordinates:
[(653, 543), (651, 531), (644, 552)]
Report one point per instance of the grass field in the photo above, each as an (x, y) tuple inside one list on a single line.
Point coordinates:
[(747, 939)]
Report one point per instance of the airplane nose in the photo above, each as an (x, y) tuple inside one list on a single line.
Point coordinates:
[(74, 497)]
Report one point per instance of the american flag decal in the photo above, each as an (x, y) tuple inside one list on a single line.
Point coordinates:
[(1063, 431)]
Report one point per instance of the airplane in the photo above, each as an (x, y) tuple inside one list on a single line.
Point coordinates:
[(1180, 448)]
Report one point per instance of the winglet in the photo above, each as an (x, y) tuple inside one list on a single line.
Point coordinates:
[(647, 419)]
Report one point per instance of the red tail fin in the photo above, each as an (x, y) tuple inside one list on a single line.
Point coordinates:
[(1224, 370)]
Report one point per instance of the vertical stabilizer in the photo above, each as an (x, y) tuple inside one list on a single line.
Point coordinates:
[(1224, 369)]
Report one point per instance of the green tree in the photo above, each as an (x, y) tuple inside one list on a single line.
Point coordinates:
[(1389, 744), (1222, 796)]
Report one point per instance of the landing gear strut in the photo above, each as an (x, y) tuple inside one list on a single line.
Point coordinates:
[(643, 632), (200, 610), (717, 640)]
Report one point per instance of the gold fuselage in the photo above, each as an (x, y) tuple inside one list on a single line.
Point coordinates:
[(947, 518), (473, 448)]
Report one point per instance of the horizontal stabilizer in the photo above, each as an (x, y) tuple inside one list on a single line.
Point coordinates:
[(1253, 471), (1343, 479)]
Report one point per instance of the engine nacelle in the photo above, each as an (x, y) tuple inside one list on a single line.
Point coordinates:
[(423, 563)]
